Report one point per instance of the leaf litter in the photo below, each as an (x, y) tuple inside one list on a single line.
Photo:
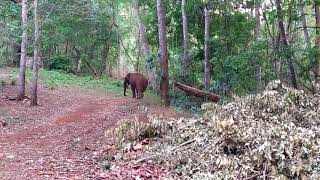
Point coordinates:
[(272, 135)]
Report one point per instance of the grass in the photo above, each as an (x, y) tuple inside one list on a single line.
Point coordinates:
[(55, 78)]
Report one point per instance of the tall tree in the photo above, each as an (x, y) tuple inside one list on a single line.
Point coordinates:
[(24, 46), (150, 68), (164, 83), (286, 45), (34, 91), (304, 24), (206, 48), (186, 59), (258, 34), (315, 64)]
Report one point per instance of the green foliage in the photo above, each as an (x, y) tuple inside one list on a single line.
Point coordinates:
[(61, 62), (55, 78), (91, 30)]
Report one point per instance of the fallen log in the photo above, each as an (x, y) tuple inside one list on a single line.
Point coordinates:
[(198, 93)]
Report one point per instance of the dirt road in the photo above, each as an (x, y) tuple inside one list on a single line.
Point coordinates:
[(62, 137)]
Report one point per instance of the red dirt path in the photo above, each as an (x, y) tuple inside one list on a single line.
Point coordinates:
[(62, 137)]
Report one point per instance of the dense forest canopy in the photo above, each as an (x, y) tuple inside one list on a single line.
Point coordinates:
[(220, 46)]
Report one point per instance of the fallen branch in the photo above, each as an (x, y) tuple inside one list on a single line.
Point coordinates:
[(92, 68), (198, 93)]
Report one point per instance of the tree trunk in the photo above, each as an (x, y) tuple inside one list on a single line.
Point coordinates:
[(286, 45), (105, 53), (186, 59), (105, 57), (206, 49), (150, 68), (304, 24), (79, 63), (164, 83), (24, 47), (198, 93), (66, 48), (34, 91), (315, 65), (257, 34)]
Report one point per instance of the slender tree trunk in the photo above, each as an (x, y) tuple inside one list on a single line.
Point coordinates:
[(24, 47), (34, 91), (315, 65), (150, 68), (286, 45), (304, 24), (308, 41), (206, 49), (277, 62), (79, 63), (186, 59), (257, 34), (105, 57), (164, 83), (106, 52), (66, 48)]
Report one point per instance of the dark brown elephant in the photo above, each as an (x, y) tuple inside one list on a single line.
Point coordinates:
[(138, 84)]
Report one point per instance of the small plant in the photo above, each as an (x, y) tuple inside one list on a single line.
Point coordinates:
[(3, 82)]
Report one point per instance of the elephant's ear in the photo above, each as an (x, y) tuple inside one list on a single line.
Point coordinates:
[(127, 77)]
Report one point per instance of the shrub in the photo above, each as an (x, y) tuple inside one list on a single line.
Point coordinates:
[(61, 62)]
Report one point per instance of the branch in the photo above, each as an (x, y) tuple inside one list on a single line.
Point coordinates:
[(301, 27), (267, 24), (46, 20), (125, 50)]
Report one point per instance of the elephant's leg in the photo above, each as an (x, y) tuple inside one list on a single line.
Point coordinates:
[(133, 88), (139, 94)]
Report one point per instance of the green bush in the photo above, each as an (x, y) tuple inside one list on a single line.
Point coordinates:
[(61, 62)]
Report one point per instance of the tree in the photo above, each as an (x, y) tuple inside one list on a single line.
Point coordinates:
[(150, 68), (24, 46), (304, 24), (315, 64), (34, 91), (206, 48), (286, 45), (258, 34), (186, 59), (164, 82)]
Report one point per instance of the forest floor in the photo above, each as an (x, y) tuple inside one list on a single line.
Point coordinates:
[(64, 136)]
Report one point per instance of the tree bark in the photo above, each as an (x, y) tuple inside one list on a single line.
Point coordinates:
[(186, 59), (24, 47), (34, 91), (198, 93), (79, 62), (150, 68), (257, 34), (286, 45), (164, 83), (315, 64), (304, 24), (206, 49)]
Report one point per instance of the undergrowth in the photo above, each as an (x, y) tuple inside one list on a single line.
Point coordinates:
[(53, 79)]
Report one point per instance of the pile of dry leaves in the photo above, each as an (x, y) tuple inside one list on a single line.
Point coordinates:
[(275, 134)]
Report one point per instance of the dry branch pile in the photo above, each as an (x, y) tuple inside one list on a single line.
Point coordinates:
[(275, 134)]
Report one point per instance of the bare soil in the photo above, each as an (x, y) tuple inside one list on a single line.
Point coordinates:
[(64, 136)]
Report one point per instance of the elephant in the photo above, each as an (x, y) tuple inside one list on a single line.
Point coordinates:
[(138, 84)]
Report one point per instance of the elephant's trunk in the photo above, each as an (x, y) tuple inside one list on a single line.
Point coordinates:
[(125, 84)]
